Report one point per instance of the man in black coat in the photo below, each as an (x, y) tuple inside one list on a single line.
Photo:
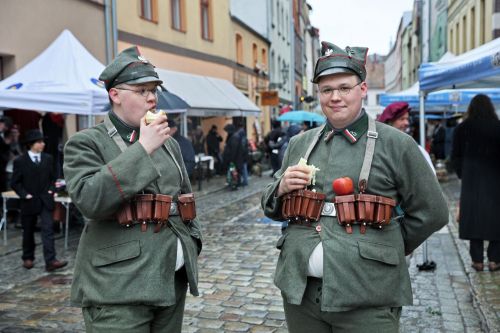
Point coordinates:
[(33, 181), (213, 148)]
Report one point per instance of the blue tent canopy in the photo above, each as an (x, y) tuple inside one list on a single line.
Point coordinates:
[(477, 68)]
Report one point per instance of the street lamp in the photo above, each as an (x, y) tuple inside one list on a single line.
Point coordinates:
[(284, 78)]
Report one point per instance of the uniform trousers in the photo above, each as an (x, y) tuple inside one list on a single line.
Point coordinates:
[(308, 317), (137, 318), (29, 222), (477, 250)]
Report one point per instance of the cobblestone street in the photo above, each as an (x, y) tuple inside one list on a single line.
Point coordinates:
[(236, 277)]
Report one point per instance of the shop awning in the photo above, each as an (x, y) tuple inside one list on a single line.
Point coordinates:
[(208, 96)]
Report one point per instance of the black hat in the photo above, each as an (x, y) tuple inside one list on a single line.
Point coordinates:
[(33, 136)]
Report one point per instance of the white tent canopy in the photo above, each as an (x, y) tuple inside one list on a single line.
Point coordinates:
[(63, 78)]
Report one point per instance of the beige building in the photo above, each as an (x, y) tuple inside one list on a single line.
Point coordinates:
[(251, 76), (184, 36), (472, 23), (28, 27)]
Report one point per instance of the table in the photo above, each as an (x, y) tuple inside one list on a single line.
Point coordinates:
[(202, 158), (65, 201)]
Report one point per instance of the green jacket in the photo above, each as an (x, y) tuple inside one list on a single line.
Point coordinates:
[(115, 264), (359, 270)]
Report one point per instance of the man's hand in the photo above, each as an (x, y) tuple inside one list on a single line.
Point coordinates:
[(154, 135), (295, 177)]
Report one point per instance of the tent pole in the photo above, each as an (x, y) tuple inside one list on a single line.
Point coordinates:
[(184, 128), (426, 265)]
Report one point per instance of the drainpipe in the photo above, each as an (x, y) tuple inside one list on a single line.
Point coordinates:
[(114, 28), (107, 23)]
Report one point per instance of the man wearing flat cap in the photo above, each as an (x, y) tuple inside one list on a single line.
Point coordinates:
[(138, 251), (343, 268), (33, 180)]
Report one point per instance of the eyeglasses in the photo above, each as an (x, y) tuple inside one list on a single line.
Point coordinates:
[(143, 91), (343, 91)]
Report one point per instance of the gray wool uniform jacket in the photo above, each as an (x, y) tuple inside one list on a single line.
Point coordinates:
[(115, 264), (359, 270)]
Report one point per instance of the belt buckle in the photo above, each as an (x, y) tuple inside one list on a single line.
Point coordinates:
[(328, 209), (173, 209)]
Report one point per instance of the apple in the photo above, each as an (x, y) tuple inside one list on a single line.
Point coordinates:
[(343, 186)]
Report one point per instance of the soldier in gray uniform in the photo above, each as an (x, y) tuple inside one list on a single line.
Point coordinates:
[(343, 269), (136, 255)]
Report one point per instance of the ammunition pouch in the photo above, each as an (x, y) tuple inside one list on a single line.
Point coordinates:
[(155, 208), (187, 207), (363, 209), (302, 205)]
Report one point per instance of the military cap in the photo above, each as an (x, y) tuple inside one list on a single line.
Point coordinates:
[(129, 67), (335, 60), (393, 111)]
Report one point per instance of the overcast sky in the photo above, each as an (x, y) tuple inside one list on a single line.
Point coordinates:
[(368, 23)]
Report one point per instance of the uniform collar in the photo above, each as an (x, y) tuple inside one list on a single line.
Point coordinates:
[(351, 133), (127, 132)]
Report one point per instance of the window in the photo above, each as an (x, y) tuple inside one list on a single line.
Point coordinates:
[(255, 59), (178, 11), (263, 59), (472, 28), (239, 49), (206, 19), (149, 10)]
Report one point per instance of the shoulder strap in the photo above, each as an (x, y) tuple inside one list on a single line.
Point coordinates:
[(112, 131), (314, 142), (371, 136)]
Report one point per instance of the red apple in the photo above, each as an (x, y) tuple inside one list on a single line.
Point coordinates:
[(343, 186)]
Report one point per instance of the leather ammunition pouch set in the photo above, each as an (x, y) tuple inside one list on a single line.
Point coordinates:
[(302, 206), (156, 209), (305, 207)]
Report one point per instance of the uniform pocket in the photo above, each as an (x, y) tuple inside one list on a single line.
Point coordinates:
[(116, 253), (364, 274)]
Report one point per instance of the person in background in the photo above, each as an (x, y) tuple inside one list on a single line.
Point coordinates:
[(344, 278), (438, 140), (5, 140), (475, 157), (213, 148), (272, 138), (186, 146), (198, 140), (244, 154), (33, 180), (397, 115), (232, 153)]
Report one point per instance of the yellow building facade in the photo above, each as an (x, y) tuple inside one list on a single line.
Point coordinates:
[(186, 36), (470, 24)]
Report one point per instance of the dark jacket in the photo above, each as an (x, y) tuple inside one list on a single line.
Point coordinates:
[(187, 151), (438, 141), (213, 142), (37, 180), (234, 151), (476, 159)]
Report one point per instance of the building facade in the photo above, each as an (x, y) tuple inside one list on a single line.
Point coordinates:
[(472, 23)]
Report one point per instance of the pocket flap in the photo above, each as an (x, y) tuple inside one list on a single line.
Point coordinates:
[(116, 253), (379, 252)]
